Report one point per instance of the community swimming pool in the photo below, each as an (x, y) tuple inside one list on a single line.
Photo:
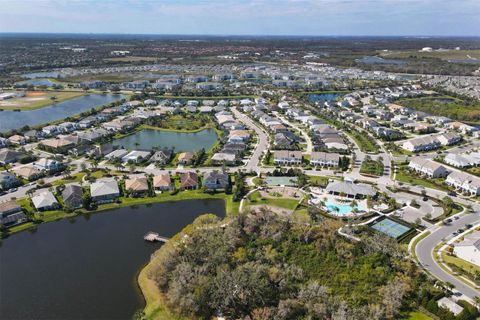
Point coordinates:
[(341, 209)]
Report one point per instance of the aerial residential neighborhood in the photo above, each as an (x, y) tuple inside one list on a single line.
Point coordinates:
[(248, 160)]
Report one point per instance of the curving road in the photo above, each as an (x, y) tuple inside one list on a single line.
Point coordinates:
[(424, 252)]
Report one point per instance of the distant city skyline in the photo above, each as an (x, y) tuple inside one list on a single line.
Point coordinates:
[(247, 17)]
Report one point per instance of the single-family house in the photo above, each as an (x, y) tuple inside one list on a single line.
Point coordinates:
[(162, 182), (105, 190), (215, 180), (185, 158), (469, 248), (45, 200), (223, 157), (188, 181), (162, 156), (9, 156), (7, 180), (72, 196), (137, 186), (11, 213)]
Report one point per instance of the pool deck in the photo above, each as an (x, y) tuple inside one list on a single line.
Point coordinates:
[(318, 195)]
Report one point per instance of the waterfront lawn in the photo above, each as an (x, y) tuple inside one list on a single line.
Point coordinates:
[(231, 207), (372, 167), (185, 122), (38, 99)]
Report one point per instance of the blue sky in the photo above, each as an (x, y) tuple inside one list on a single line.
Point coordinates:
[(244, 17)]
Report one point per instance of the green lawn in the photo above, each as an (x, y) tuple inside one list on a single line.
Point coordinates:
[(403, 175), (256, 199), (445, 106), (372, 167), (231, 207), (77, 177), (460, 263), (38, 99), (417, 315), (318, 180), (363, 141), (185, 122)]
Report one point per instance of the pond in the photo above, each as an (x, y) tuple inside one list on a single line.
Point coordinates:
[(14, 120), (325, 97), (47, 74), (87, 268), (38, 82), (378, 60), (181, 141)]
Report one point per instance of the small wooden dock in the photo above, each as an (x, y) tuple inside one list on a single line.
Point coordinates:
[(153, 237)]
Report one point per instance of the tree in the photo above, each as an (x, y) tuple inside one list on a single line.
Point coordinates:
[(447, 201), (87, 201), (94, 164), (66, 172)]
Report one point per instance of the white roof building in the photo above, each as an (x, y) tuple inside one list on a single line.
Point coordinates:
[(428, 167), (469, 248), (450, 305), (45, 200)]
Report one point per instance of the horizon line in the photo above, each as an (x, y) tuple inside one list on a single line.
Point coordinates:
[(235, 35)]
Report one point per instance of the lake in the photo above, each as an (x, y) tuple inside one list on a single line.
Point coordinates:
[(181, 141), (38, 82), (378, 60), (87, 268), (47, 74), (325, 97), (14, 120)]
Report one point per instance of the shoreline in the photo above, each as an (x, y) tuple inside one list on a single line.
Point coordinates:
[(46, 103), (74, 117), (230, 208)]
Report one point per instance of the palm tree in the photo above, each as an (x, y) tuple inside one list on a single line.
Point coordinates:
[(94, 164), (66, 172)]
